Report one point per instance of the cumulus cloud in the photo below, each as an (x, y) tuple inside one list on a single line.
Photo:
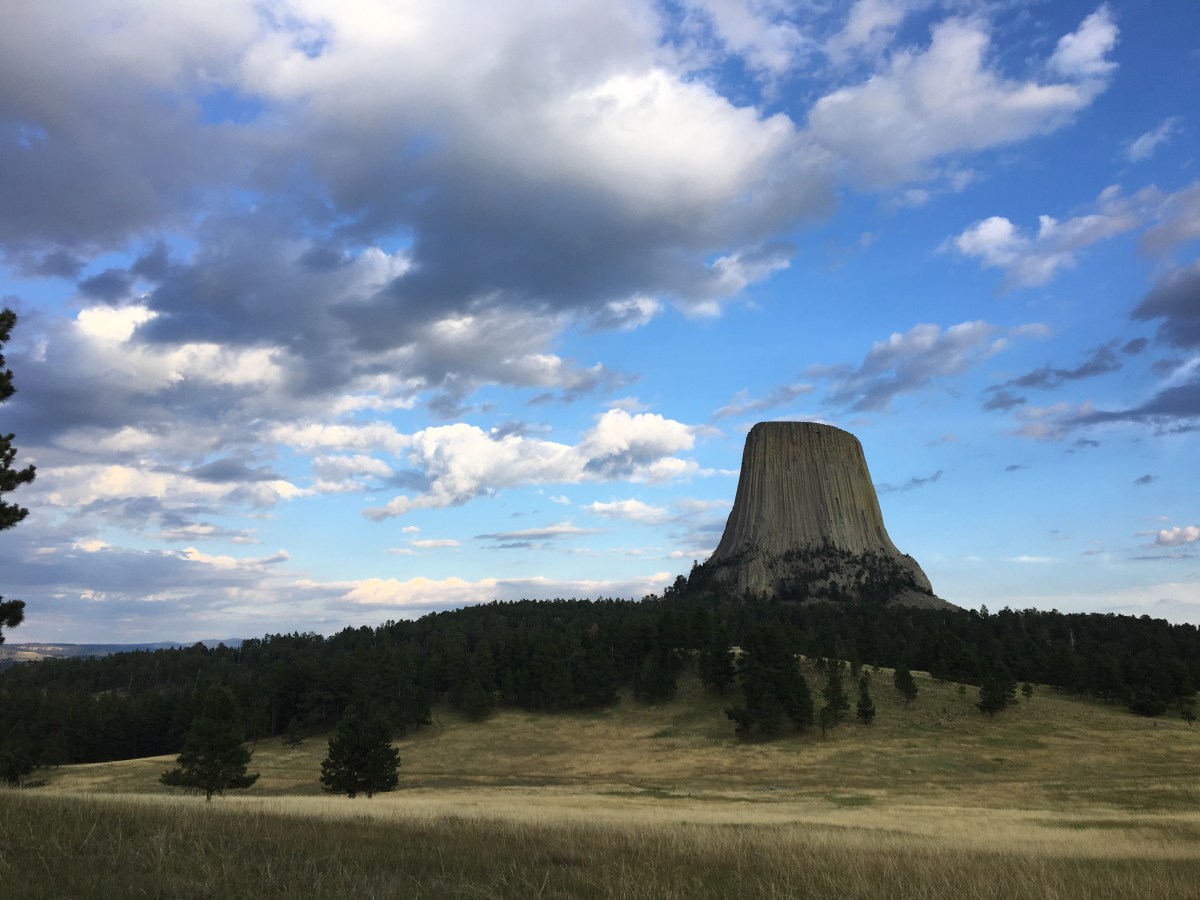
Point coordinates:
[(945, 100), (869, 27), (504, 174), (758, 31), (1084, 53), (460, 461), (1177, 536), (1031, 260)]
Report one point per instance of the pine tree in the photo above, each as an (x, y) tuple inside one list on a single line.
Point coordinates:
[(654, 679), (12, 612), (361, 757), (1027, 691), (291, 735), (16, 756), (836, 701), (717, 669), (213, 758), (773, 688), (476, 703), (865, 712), (997, 691), (1146, 702), (904, 683)]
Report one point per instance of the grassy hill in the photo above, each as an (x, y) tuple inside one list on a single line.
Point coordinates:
[(1054, 797)]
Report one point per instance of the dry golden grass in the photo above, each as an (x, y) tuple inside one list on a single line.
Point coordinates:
[(1085, 799)]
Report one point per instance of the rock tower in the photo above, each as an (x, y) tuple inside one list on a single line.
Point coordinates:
[(806, 524)]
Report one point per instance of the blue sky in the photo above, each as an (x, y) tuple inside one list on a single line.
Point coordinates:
[(334, 314)]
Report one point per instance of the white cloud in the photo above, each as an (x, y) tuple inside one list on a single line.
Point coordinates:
[(621, 442), (1145, 145), (435, 543), (103, 340), (462, 461), (630, 510), (1083, 53), (544, 533), (946, 100), (376, 436), (628, 314), (755, 30), (869, 27), (192, 555), (77, 486), (1034, 260), (1178, 536)]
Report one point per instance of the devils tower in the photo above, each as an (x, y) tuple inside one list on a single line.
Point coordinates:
[(806, 524)]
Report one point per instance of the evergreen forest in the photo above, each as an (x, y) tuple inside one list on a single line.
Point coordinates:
[(565, 655)]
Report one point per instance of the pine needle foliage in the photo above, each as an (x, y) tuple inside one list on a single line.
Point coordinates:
[(361, 757), (213, 758), (12, 612)]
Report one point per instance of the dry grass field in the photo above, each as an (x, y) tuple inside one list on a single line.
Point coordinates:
[(1057, 797)]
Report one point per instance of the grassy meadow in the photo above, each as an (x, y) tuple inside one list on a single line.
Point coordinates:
[(1056, 797)]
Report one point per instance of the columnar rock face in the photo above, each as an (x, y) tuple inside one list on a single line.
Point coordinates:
[(806, 523)]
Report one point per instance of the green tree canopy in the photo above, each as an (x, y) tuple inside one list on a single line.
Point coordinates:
[(361, 757), (866, 706), (999, 689), (773, 688), (213, 758), (836, 701), (904, 683), (716, 664)]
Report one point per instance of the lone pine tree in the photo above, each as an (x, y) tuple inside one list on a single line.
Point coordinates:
[(213, 758), (12, 612), (865, 711), (997, 691), (361, 757), (904, 683)]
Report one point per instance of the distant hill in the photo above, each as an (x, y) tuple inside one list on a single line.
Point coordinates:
[(10, 654)]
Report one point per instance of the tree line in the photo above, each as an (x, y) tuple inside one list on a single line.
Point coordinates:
[(562, 655)]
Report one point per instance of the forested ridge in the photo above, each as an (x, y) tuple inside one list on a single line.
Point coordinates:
[(565, 655)]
